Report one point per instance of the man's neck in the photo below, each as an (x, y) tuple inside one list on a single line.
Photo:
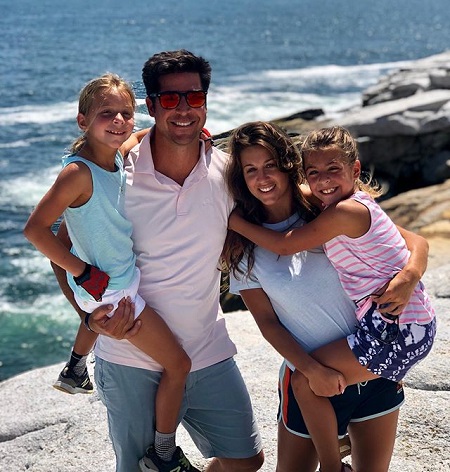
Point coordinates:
[(173, 160)]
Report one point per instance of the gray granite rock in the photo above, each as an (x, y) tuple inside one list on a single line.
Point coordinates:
[(404, 116), (424, 74), (403, 126), (44, 430)]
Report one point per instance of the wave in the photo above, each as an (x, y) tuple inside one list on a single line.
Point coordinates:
[(24, 142), (262, 95), (26, 190), (39, 114), (359, 75)]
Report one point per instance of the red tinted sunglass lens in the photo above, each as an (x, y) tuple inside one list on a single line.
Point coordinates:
[(196, 99), (169, 100)]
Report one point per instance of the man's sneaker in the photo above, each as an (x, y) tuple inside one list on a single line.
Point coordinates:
[(70, 383), (179, 462)]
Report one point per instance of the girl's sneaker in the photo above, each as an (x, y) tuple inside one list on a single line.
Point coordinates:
[(179, 462), (68, 382)]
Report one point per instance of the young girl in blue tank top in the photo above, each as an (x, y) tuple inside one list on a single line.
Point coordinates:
[(100, 266)]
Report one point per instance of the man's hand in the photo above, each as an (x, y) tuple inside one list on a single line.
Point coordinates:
[(121, 325)]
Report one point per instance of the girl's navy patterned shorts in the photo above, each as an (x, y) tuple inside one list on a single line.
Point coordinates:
[(390, 349)]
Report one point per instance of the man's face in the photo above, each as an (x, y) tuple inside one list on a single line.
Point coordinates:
[(180, 125)]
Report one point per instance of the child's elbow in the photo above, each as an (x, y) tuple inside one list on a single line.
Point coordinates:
[(29, 231), (26, 231)]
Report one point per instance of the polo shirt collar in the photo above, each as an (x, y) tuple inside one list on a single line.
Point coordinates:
[(143, 160)]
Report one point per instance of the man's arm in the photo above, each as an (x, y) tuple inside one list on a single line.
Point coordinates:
[(119, 326)]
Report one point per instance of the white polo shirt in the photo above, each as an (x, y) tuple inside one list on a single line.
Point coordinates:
[(178, 235)]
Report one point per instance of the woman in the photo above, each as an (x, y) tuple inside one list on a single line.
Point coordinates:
[(299, 304)]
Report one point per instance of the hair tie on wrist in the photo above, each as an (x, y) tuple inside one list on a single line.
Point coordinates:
[(86, 322)]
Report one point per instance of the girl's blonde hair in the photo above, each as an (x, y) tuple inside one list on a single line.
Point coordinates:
[(337, 137), (95, 90)]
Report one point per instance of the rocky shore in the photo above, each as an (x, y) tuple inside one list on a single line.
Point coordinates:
[(43, 430), (403, 128), (402, 125)]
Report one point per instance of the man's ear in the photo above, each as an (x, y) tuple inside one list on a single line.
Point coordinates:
[(81, 120), (150, 106)]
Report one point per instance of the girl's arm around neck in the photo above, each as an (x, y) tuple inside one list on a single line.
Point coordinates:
[(347, 217)]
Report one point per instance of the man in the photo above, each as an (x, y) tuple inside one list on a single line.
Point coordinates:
[(177, 202)]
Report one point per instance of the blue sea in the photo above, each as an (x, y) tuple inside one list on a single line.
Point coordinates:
[(270, 58)]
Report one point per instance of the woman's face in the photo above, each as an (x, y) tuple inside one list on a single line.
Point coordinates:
[(264, 180)]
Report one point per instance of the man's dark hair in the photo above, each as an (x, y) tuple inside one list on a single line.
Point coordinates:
[(172, 62)]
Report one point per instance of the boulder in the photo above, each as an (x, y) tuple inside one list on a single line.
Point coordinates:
[(406, 116), (424, 74), (402, 126), (43, 430)]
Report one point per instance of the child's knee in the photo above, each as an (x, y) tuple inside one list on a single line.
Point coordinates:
[(299, 382), (185, 364), (182, 365)]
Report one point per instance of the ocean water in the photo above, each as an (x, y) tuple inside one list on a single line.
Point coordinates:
[(270, 58)]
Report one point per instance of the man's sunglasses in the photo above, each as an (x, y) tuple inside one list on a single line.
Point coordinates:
[(170, 100)]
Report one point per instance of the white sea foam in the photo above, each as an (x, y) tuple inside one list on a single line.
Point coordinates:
[(48, 309), (24, 142), (336, 75), (258, 95), (39, 114), (27, 190)]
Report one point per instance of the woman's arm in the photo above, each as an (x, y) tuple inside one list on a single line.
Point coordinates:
[(323, 380), (399, 290)]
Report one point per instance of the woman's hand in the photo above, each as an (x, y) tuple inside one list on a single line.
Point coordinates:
[(395, 294), (326, 382)]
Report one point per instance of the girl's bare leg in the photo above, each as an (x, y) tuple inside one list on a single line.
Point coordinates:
[(320, 420), (295, 452), (317, 412), (157, 340), (369, 455), (84, 341)]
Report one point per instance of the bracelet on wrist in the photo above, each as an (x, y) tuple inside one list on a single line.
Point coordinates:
[(86, 322), (84, 276)]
